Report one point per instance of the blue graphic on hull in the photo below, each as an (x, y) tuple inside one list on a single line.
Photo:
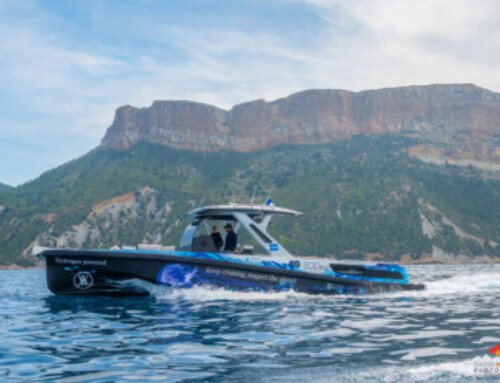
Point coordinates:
[(175, 274), (185, 276), (181, 275), (292, 265), (295, 265)]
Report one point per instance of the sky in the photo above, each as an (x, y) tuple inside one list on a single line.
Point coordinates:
[(66, 65)]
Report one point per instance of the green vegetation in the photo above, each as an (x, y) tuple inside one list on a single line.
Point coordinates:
[(360, 196), (4, 188)]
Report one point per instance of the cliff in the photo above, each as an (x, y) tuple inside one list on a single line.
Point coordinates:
[(455, 121)]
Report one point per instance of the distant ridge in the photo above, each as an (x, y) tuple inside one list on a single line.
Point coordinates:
[(4, 187), (459, 121)]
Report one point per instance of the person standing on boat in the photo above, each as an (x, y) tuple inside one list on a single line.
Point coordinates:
[(231, 238), (217, 238)]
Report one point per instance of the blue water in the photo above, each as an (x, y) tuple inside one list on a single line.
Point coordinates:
[(441, 334)]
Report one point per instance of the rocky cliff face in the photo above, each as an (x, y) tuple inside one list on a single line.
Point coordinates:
[(110, 220), (457, 121)]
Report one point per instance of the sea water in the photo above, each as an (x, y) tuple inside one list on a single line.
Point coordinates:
[(441, 334)]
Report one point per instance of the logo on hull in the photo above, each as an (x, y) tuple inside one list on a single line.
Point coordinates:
[(83, 280), (311, 265), (274, 247)]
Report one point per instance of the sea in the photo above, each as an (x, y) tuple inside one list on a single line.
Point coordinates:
[(442, 334)]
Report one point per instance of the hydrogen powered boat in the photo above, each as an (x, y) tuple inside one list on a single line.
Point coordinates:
[(199, 262)]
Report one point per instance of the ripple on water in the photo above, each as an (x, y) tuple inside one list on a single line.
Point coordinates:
[(214, 335)]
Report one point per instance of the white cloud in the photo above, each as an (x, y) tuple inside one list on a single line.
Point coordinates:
[(396, 42)]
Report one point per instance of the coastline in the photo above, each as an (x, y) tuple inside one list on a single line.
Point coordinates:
[(17, 267), (424, 261)]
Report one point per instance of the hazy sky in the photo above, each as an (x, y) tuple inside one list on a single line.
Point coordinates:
[(65, 66)]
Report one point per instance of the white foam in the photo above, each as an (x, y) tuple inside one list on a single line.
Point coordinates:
[(467, 368), (460, 284), (475, 282), (199, 293), (208, 294), (457, 371)]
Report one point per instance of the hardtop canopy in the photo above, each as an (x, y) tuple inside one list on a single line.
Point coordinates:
[(228, 209)]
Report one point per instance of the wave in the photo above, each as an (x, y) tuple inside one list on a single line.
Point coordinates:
[(467, 282), (475, 282), (470, 283), (482, 368), (478, 367), (203, 293)]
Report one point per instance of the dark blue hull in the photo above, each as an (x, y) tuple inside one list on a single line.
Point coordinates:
[(96, 272)]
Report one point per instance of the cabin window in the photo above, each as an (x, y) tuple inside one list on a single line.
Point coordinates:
[(261, 235)]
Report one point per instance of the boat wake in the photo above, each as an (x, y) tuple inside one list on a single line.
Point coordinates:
[(460, 284), (477, 367), (471, 283), (457, 371), (200, 293)]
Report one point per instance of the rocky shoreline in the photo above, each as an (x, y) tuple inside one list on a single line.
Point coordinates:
[(17, 267)]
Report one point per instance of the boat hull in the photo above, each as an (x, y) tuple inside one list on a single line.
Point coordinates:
[(93, 272)]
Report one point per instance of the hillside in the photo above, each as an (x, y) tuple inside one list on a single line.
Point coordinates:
[(363, 197), (4, 188), (453, 122)]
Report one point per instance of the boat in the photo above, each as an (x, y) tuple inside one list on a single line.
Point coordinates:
[(199, 262)]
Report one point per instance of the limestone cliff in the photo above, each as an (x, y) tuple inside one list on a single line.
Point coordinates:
[(455, 121)]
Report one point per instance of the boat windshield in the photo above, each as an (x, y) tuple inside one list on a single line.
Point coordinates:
[(213, 235), (217, 228)]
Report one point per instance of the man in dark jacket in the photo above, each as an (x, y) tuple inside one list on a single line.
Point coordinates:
[(231, 238), (216, 237)]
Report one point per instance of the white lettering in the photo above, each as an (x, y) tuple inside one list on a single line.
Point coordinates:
[(66, 261), (249, 275), (85, 262), (311, 265)]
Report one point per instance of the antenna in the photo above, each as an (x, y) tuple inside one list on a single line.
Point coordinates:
[(253, 195)]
